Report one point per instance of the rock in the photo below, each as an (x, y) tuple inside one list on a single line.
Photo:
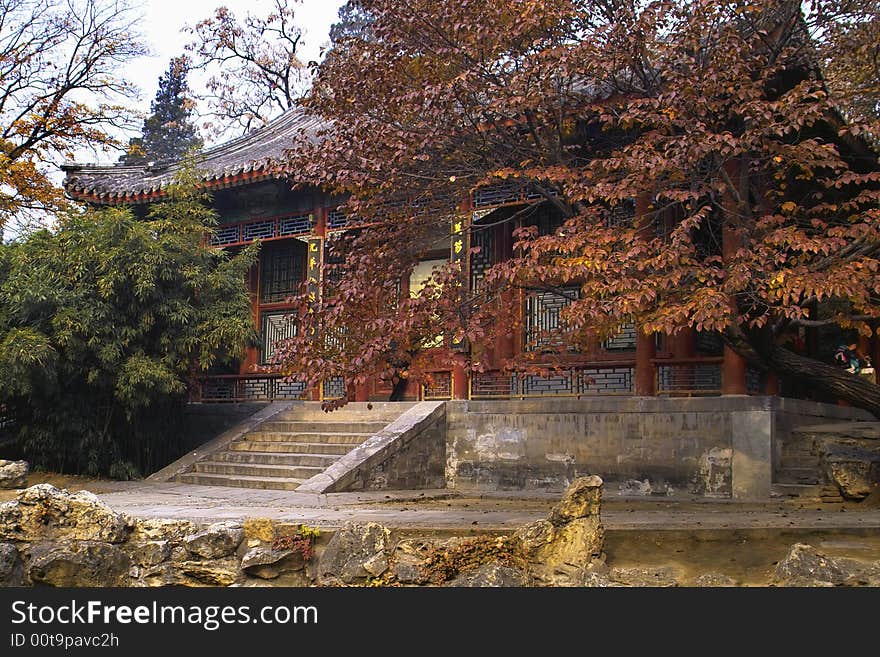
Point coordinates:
[(644, 576), (43, 512), (560, 548), (78, 563), (214, 573), (220, 572), (715, 580), (409, 573), (408, 557), (267, 563), (582, 499), (806, 566), (179, 553), (262, 530), (11, 566), (13, 474), (599, 580), (356, 552), (853, 464), (149, 553), (159, 529), (218, 540), (491, 575), (635, 487)]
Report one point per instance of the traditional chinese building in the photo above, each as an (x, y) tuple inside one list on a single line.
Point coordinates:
[(255, 202)]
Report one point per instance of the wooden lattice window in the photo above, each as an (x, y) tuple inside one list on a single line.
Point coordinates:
[(282, 270), (274, 327), (543, 317)]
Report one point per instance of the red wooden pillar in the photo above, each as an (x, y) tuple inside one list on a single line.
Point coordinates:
[(362, 392), (646, 350), (646, 344), (875, 355), (733, 369), (252, 354), (459, 382), (505, 344)]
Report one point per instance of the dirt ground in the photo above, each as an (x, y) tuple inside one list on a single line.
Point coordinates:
[(70, 482)]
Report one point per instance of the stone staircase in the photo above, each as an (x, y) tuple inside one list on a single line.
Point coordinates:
[(799, 476), (292, 446)]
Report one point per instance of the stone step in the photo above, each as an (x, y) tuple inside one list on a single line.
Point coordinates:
[(324, 427), (291, 448), (351, 412), (806, 492), (237, 481), (276, 458), (348, 418), (257, 469), (799, 462), (788, 475), (296, 437)]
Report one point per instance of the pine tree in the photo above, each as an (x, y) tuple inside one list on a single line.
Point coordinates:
[(168, 132)]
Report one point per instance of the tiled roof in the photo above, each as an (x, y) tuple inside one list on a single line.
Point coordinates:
[(245, 159)]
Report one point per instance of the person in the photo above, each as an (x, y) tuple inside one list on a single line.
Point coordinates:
[(849, 357)]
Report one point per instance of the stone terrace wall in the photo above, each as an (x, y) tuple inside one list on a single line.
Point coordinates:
[(712, 446)]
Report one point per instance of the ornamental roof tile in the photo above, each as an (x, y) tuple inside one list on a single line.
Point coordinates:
[(244, 159)]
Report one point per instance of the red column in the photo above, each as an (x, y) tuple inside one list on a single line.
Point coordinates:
[(875, 356), (459, 382), (505, 344), (733, 370), (646, 350), (252, 354)]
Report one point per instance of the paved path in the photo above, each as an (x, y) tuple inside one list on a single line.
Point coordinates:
[(445, 510)]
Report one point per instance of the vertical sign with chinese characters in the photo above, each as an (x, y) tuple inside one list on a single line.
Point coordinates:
[(459, 255), (313, 271)]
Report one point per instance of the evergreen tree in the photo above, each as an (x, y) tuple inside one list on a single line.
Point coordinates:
[(168, 133)]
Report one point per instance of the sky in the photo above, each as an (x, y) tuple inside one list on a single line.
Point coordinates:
[(163, 20)]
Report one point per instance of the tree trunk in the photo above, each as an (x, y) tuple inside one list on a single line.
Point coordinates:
[(398, 392), (760, 351), (833, 381)]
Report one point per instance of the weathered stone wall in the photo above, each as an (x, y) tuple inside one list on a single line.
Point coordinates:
[(421, 463), (409, 453), (793, 413), (714, 446)]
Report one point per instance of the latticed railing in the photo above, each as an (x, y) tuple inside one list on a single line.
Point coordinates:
[(333, 388), (582, 381), (689, 376), (504, 194), (245, 232), (245, 387), (439, 387)]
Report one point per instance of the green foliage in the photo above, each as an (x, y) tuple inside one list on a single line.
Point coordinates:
[(102, 323)]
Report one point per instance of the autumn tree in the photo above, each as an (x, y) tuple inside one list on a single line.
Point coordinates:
[(849, 51), (168, 132), (60, 91), (750, 200), (103, 321), (254, 66)]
